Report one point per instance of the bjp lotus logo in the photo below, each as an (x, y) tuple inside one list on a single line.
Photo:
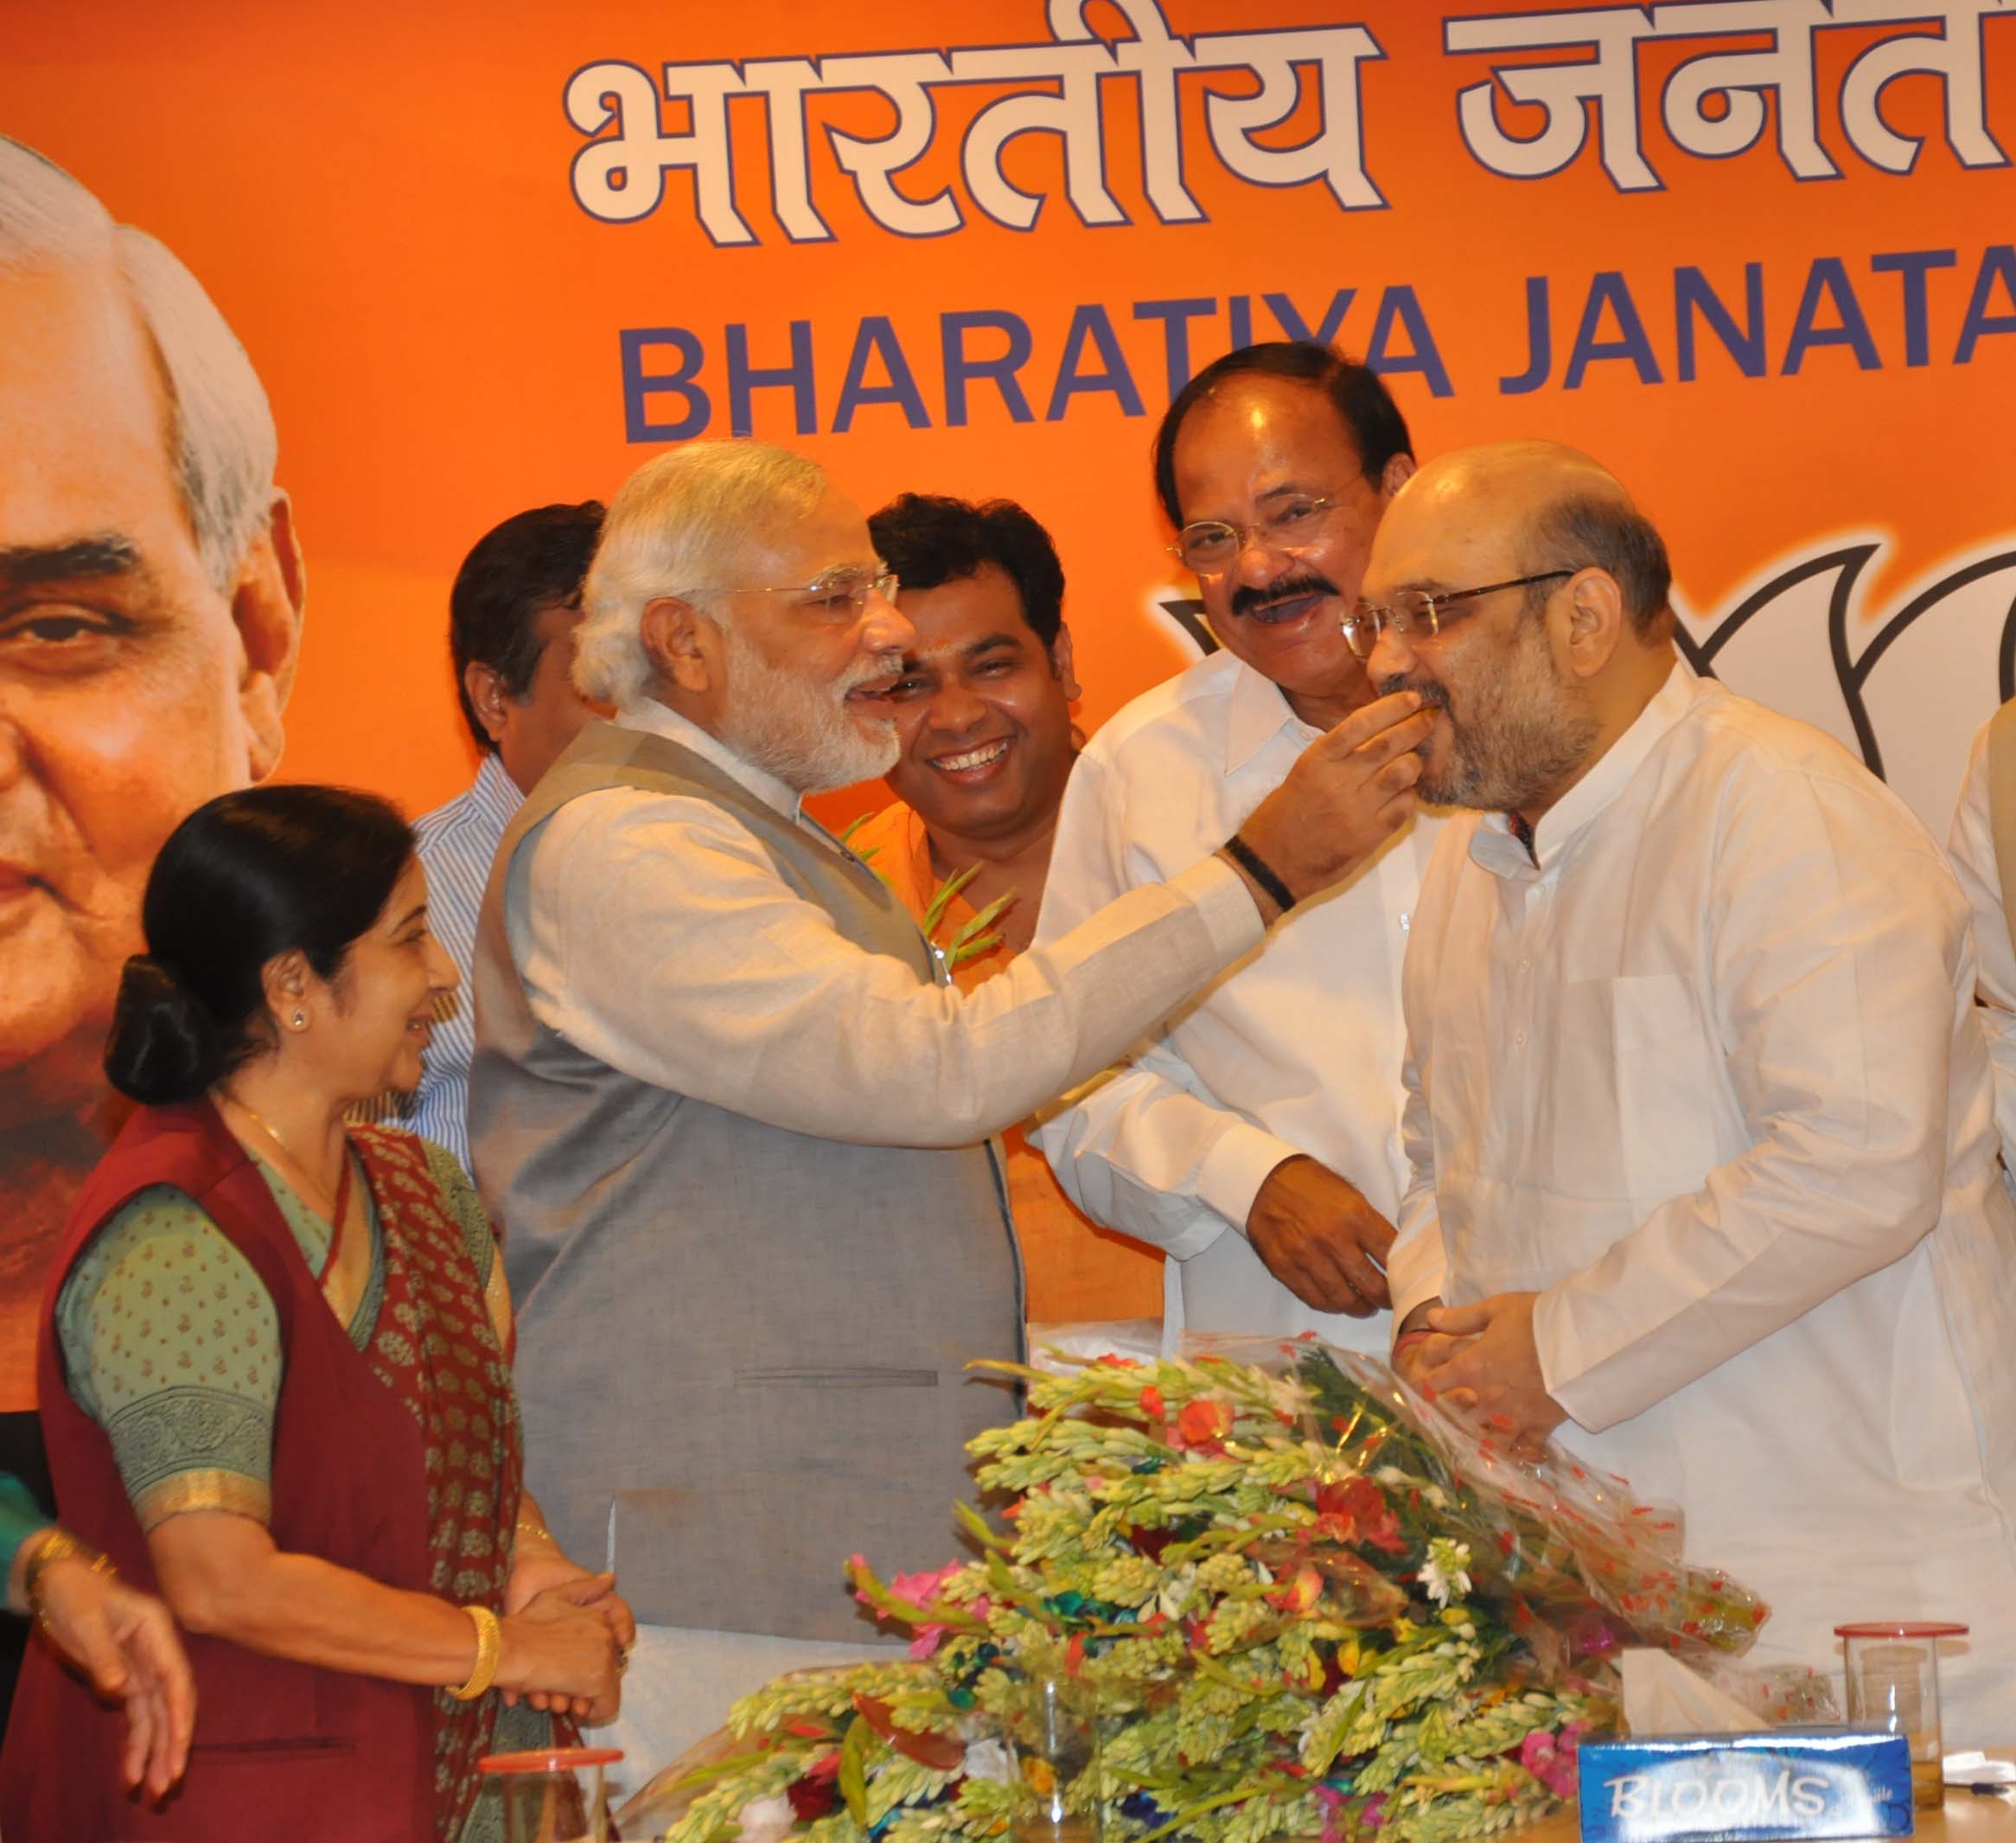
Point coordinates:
[(1903, 686)]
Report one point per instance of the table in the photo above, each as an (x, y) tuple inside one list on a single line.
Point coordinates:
[(1967, 1818)]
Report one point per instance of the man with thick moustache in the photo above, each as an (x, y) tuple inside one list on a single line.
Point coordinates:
[(1700, 1120), (733, 1118), (150, 595), (1256, 1138)]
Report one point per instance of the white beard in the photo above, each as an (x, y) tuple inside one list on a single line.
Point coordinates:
[(798, 731)]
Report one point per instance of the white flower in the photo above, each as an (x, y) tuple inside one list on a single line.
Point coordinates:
[(1175, 1592), (767, 1819), (1443, 1574), (989, 1760)]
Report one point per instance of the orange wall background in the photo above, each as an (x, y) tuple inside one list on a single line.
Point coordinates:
[(378, 196), (381, 197)]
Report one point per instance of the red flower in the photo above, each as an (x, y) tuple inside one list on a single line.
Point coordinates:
[(811, 1799), (1300, 1592), (1150, 1542), (816, 1794), (940, 1752), (1116, 1363), (1355, 1510), (1204, 1423), (1152, 1403)]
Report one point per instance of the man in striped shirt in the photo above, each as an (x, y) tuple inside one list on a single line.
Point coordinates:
[(511, 619)]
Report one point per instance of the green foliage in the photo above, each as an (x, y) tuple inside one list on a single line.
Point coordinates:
[(1254, 1603), (973, 938)]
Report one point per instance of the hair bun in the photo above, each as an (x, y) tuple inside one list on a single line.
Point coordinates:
[(163, 1047)]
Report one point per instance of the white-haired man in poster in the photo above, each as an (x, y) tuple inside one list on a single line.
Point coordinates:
[(150, 595)]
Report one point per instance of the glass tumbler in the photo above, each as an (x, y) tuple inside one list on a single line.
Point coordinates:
[(553, 1795), (1052, 1731), (1893, 1684)]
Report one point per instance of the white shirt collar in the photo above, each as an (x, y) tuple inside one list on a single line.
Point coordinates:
[(1254, 716), (494, 793), (658, 720), (1495, 847)]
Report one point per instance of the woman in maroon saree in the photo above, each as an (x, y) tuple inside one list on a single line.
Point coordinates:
[(275, 1375)]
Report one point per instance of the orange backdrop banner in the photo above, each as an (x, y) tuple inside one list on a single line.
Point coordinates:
[(1757, 256)]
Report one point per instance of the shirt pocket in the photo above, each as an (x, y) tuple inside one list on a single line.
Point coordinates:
[(1666, 1064)]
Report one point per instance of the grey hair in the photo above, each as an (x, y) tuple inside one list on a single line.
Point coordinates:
[(675, 528), (224, 445)]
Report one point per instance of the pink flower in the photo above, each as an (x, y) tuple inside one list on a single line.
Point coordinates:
[(1552, 1760), (919, 1590)]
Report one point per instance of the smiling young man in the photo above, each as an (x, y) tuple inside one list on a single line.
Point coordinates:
[(1256, 1139), (984, 717)]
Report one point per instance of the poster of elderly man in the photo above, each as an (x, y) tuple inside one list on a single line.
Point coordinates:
[(151, 600)]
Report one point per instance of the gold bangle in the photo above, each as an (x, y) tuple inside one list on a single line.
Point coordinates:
[(489, 1645), (57, 1545)]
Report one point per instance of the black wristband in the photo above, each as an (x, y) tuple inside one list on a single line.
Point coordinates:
[(1259, 870)]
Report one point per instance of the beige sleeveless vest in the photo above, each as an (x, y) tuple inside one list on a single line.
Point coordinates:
[(740, 1349)]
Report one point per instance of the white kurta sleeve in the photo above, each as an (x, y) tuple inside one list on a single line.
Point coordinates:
[(1416, 1264), (660, 939), (1973, 850), (1830, 942), (1147, 1150)]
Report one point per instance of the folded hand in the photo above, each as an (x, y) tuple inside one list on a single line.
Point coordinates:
[(1486, 1367)]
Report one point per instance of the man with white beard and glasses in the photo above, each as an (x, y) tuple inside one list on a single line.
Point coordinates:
[(1699, 1118), (735, 1120)]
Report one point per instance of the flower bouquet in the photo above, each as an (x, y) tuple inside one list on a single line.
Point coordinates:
[(1305, 1601)]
